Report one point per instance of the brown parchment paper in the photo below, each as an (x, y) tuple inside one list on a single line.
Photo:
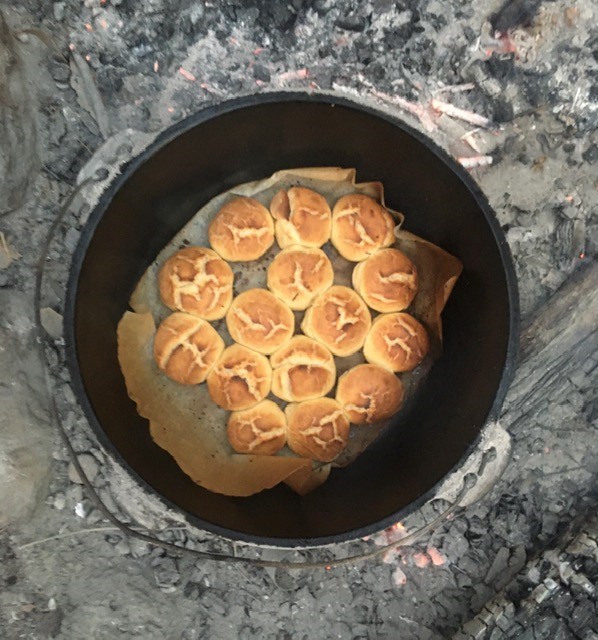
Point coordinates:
[(185, 422)]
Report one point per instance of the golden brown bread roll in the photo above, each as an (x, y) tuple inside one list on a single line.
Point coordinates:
[(302, 217), (339, 319), (302, 370), (317, 429), (186, 348), (196, 280), (261, 430), (242, 230), (360, 226), (298, 274), (368, 394), (387, 281), (240, 379), (260, 321), (396, 341)]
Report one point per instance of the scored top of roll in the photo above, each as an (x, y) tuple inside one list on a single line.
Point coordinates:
[(242, 230), (186, 348), (298, 274), (339, 319), (387, 280), (360, 226), (302, 217), (240, 379), (196, 280), (260, 321)]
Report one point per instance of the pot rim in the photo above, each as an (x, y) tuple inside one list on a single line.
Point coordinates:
[(181, 127)]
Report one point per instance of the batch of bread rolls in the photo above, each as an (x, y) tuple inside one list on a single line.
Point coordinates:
[(268, 355)]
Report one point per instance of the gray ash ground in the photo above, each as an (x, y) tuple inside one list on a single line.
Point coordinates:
[(102, 67)]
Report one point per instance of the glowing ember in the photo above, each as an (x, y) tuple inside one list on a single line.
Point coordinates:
[(421, 560), (300, 74), (398, 577), (186, 74), (437, 558)]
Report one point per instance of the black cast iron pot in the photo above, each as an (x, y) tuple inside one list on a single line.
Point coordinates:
[(248, 139)]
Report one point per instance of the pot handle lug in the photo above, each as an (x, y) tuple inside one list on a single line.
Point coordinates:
[(481, 472)]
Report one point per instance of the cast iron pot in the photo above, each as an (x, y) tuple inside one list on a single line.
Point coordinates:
[(247, 139)]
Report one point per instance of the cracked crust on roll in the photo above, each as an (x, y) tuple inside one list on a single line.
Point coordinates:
[(397, 342), (360, 226), (186, 348), (261, 430), (302, 217), (259, 320), (298, 274), (242, 230), (387, 281), (317, 429), (369, 394), (240, 379), (339, 319), (302, 370), (196, 280)]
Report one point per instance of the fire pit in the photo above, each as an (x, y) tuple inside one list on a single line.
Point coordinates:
[(508, 92), (248, 139)]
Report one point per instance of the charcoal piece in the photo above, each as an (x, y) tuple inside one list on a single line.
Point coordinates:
[(498, 566), (276, 15), (590, 154), (261, 73), (322, 7), (501, 68), (502, 110), (514, 13), (352, 22), (583, 616)]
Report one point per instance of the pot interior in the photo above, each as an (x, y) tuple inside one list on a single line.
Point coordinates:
[(247, 140)]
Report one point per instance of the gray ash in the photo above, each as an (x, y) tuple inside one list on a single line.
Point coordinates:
[(492, 567)]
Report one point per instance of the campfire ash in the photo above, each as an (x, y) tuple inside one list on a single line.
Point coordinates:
[(512, 96)]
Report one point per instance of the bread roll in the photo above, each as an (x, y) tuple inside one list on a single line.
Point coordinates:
[(242, 230), (240, 379), (302, 370), (186, 348), (387, 281), (317, 429), (368, 394), (360, 226), (339, 319), (261, 430), (302, 217), (260, 321), (298, 274), (197, 281), (396, 341)]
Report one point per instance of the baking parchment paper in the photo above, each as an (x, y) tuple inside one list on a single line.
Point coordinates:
[(185, 422)]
